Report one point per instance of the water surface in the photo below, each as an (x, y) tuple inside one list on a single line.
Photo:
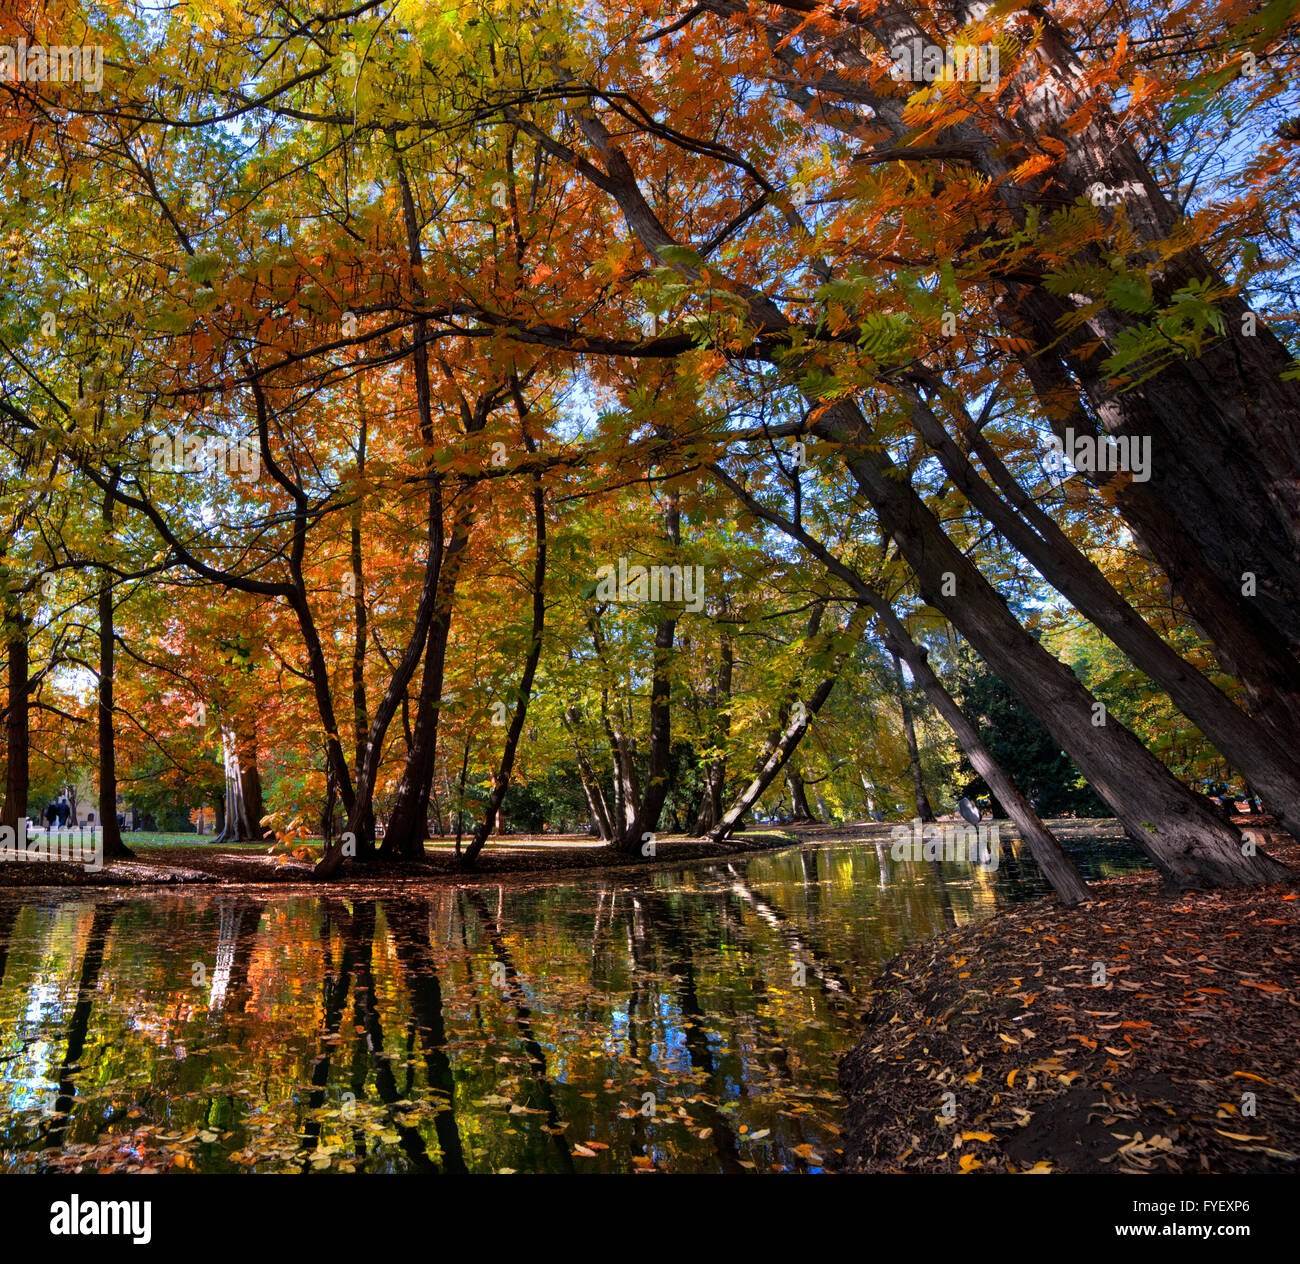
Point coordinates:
[(678, 1020)]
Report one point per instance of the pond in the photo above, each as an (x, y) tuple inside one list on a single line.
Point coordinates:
[(684, 1020)]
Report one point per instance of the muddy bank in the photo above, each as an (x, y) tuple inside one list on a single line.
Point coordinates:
[(1144, 1033), (513, 859)]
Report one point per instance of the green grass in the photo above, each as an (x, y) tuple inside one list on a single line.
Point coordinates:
[(146, 840)]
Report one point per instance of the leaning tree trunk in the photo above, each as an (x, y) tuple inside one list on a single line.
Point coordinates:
[(1052, 858), (1187, 841), (591, 788), (1247, 646), (780, 746), (1240, 737), (923, 809), (1185, 838), (1219, 512)]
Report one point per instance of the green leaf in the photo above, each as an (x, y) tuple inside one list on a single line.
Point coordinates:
[(681, 256), (1130, 293), (201, 269)]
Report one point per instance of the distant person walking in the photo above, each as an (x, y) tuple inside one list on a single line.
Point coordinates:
[(51, 814), (64, 811)]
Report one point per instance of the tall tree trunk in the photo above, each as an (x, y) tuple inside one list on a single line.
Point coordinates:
[(251, 807), (1185, 839), (590, 781), (1224, 427), (409, 820), (113, 844), (17, 726), (627, 788), (715, 776), (646, 818), (360, 709), (802, 812), (502, 781), (1246, 645)]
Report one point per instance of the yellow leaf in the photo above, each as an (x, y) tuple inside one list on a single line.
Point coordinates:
[(969, 1163), (977, 1136)]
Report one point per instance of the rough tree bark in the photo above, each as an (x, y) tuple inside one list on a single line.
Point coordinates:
[(799, 807), (645, 820)]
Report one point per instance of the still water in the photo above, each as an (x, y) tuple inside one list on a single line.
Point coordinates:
[(679, 1020)]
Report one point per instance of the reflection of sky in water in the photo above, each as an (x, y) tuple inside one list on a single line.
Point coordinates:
[(546, 1013)]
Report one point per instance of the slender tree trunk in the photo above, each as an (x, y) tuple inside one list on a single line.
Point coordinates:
[(591, 788), (1219, 512), (923, 808), (409, 820), (365, 832), (502, 781), (1052, 858), (646, 819), (113, 844), (869, 795), (781, 746), (627, 789), (715, 777), (1187, 841), (17, 727)]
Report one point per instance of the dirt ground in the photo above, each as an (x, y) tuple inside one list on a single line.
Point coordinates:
[(1145, 1032), (552, 856)]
